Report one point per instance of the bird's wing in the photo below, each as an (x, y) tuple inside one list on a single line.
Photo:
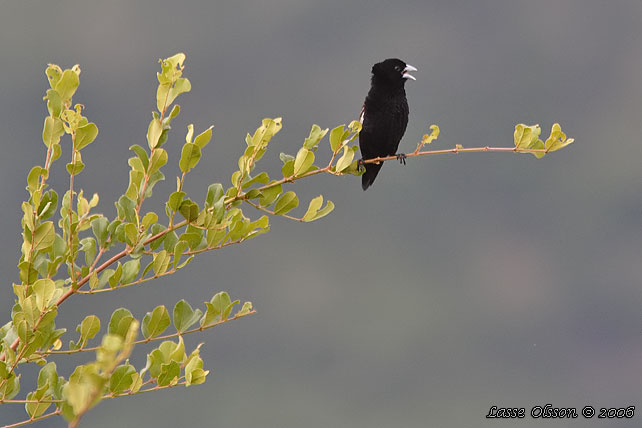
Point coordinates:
[(363, 112)]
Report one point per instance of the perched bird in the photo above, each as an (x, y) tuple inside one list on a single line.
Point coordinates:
[(384, 115)]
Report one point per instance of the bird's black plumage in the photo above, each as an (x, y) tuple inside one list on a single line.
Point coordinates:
[(384, 115)]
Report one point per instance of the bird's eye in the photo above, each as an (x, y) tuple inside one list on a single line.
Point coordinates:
[(397, 68)]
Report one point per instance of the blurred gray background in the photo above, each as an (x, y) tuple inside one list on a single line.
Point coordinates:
[(456, 283)]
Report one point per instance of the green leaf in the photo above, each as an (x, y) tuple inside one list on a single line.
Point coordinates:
[(44, 289), (316, 134), (149, 219), (226, 313), (52, 131), (122, 378), (175, 200), (137, 383), (93, 281), (539, 145), (525, 136), (47, 375), (85, 135), (77, 166), (193, 236), (48, 204), (88, 246), (130, 271), (313, 208), (155, 322), (154, 132), (288, 169), (185, 263), (179, 249), (189, 210), (175, 111), (119, 322), (99, 228), (194, 373), (126, 209), (151, 182), (245, 310), (11, 386), (142, 155), (269, 195), (54, 103), (190, 133), (203, 138), (345, 160), (169, 373), (36, 407), (89, 327), (264, 133), (34, 177), (105, 276), (114, 279), (337, 135), (67, 84), (181, 86), (43, 237), (314, 212), (304, 160), (54, 73), (161, 262), (285, 158), (557, 139), (190, 156), (185, 316), (215, 192), (215, 237), (159, 158), (215, 308), (262, 178), (131, 232), (162, 95), (287, 202), (56, 152), (257, 227), (170, 240)]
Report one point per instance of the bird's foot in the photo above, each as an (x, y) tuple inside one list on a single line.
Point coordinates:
[(361, 166), (401, 157)]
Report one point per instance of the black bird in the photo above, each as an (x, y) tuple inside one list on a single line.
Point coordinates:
[(384, 115)]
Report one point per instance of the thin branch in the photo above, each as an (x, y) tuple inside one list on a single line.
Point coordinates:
[(129, 284), (71, 211), (152, 339), (218, 247), (30, 401), (141, 391), (29, 421), (457, 150), (265, 210)]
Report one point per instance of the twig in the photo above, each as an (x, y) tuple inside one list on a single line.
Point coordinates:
[(29, 421), (155, 338)]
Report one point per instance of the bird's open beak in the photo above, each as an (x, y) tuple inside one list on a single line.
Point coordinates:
[(406, 74)]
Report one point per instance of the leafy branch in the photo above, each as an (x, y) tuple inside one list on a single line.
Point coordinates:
[(60, 260)]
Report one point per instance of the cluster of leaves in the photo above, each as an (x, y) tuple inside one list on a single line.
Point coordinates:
[(527, 138), (111, 374), (86, 252)]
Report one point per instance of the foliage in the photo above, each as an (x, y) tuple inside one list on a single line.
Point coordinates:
[(69, 248)]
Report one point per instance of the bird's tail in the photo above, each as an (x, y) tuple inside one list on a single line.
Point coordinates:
[(368, 177)]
